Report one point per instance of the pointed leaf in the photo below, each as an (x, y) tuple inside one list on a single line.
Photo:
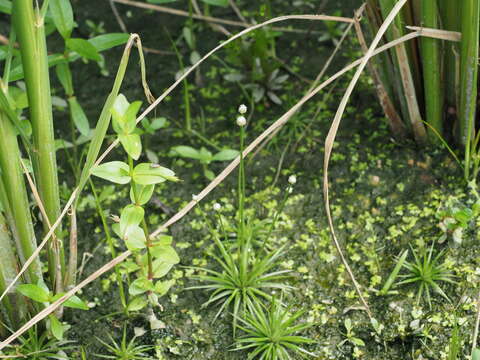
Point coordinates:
[(62, 15), (34, 292), (132, 145), (114, 171), (149, 174)]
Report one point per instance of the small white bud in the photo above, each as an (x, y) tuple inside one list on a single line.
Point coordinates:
[(292, 179), (242, 109), (241, 121), (194, 197), (217, 206)]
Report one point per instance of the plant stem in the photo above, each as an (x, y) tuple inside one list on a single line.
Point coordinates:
[(468, 77), (16, 194), (29, 26), (111, 246), (144, 225), (432, 70)]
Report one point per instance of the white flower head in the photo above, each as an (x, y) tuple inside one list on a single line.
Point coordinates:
[(292, 179), (241, 121), (217, 207), (195, 197), (242, 109)]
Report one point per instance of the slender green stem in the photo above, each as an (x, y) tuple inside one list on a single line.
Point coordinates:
[(30, 29), (111, 246), (432, 70), (13, 306), (144, 226), (468, 77), (16, 193)]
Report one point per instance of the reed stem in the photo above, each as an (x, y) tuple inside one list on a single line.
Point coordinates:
[(432, 71), (468, 77), (29, 26)]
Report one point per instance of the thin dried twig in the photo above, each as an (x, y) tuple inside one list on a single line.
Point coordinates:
[(331, 139), (214, 19), (396, 125)]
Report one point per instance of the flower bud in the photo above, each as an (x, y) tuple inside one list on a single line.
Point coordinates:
[(241, 121), (292, 179), (242, 109)]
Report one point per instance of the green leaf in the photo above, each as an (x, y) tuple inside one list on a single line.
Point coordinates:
[(163, 240), (132, 215), (78, 116), (137, 303), (139, 286), (34, 292), (56, 327), (83, 48), (131, 116), (149, 174), (476, 354), (114, 171), (187, 152), (134, 238), (62, 14), (65, 76), (161, 268), (73, 302), (144, 193), (108, 41), (205, 156), (132, 144), (6, 6), (223, 3), (162, 287), (165, 253), (226, 155)]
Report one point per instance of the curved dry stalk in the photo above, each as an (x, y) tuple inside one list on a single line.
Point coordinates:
[(108, 266), (333, 132), (171, 11)]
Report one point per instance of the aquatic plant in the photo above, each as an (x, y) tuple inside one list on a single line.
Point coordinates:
[(426, 273), (124, 350), (246, 272), (271, 332)]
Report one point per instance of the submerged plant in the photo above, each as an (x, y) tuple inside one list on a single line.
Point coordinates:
[(271, 333), (426, 272), (124, 350)]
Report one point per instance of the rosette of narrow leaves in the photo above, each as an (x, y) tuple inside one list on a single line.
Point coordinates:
[(124, 350), (272, 333), (241, 282), (426, 272)]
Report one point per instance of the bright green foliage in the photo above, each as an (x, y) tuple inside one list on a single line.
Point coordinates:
[(241, 281), (35, 346), (124, 350), (40, 293), (271, 333), (204, 156), (427, 272)]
